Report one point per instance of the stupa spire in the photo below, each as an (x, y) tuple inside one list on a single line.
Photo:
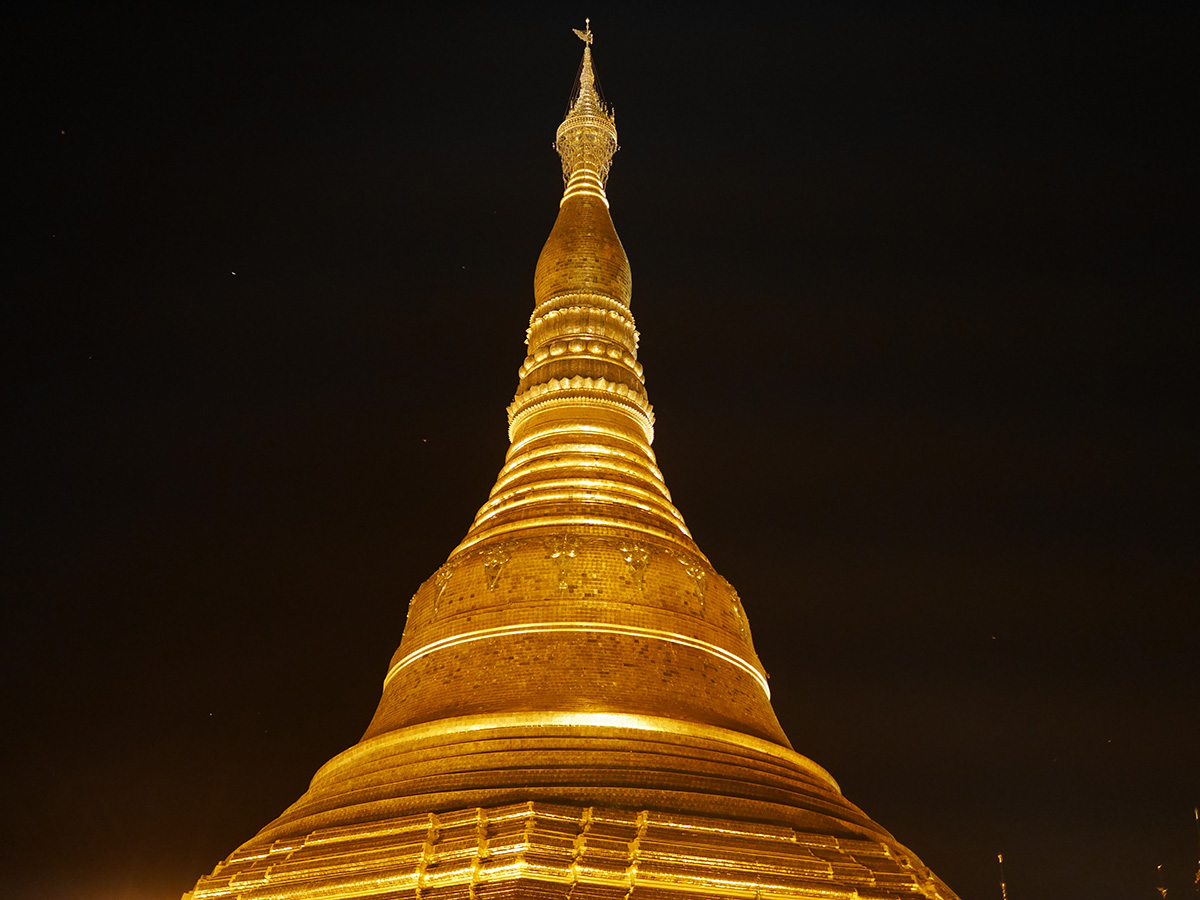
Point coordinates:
[(581, 423)]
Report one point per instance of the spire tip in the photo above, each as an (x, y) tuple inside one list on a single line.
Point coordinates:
[(587, 138)]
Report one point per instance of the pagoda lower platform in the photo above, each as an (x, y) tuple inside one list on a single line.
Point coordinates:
[(534, 850)]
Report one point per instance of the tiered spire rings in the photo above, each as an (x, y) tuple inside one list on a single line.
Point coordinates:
[(581, 424)]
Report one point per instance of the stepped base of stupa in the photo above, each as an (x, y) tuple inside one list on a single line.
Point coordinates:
[(535, 850)]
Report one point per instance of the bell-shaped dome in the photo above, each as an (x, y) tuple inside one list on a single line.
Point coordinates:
[(583, 254)]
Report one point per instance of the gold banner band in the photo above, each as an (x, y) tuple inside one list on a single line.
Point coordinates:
[(576, 628)]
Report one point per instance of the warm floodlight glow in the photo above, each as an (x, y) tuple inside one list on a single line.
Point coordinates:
[(576, 708)]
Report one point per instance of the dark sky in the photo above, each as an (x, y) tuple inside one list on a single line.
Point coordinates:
[(917, 290)]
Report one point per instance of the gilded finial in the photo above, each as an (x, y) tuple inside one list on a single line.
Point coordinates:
[(587, 138)]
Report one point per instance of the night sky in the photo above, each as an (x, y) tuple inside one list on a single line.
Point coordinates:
[(917, 292)]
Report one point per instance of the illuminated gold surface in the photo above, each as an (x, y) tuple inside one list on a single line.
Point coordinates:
[(575, 709)]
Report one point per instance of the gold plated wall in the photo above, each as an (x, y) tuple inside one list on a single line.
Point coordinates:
[(576, 709)]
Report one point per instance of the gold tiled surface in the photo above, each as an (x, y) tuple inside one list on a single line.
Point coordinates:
[(535, 849), (576, 709), (583, 258)]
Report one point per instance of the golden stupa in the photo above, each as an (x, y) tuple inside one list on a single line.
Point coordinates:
[(576, 709)]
